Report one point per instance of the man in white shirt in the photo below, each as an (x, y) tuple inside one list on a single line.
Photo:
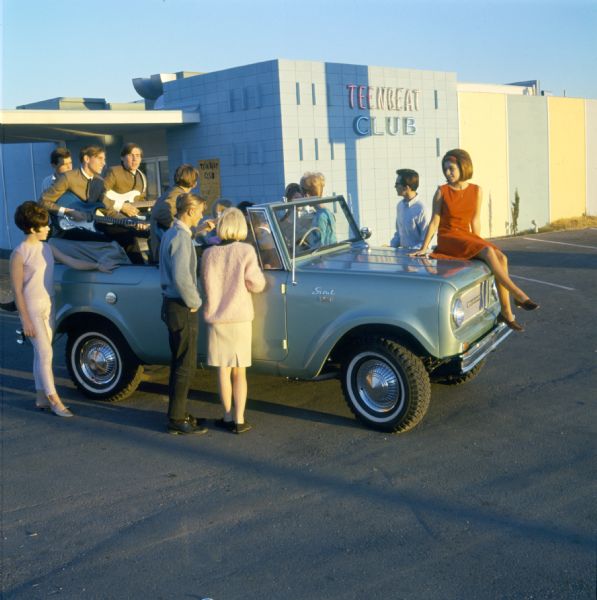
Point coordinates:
[(412, 216)]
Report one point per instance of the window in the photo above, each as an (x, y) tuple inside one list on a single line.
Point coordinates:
[(156, 171), (298, 92), (267, 251)]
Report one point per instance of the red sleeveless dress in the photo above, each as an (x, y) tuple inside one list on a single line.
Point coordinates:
[(454, 237)]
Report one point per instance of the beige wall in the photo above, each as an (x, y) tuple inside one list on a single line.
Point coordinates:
[(591, 129), (484, 135), (567, 157)]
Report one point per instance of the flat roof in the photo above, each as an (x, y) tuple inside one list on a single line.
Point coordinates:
[(18, 126)]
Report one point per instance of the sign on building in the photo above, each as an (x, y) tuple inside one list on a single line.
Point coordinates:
[(209, 180)]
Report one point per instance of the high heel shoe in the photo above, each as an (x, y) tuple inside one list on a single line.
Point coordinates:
[(528, 304), (511, 324), (61, 412)]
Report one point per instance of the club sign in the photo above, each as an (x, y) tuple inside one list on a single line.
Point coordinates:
[(369, 97)]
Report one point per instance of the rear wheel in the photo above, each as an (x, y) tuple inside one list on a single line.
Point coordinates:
[(101, 363), (385, 385)]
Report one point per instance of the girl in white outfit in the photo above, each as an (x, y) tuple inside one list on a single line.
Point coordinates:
[(229, 274), (32, 277)]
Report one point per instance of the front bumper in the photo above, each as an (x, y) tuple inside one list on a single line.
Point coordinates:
[(479, 350)]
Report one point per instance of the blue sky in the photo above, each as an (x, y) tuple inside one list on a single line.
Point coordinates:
[(74, 48)]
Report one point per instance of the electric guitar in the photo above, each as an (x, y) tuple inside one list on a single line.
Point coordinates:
[(120, 199), (66, 223)]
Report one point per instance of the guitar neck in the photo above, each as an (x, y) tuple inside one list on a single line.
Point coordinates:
[(127, 222), (143, 203)]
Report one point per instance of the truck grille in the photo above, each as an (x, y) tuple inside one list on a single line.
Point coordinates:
[(477, 299)]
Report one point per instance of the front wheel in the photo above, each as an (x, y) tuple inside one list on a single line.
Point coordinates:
[(385, 385), (101, 364)]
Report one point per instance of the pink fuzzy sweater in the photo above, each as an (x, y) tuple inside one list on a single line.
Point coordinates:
[(229, 273)]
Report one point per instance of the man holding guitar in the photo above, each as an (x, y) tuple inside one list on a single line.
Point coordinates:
[(126, 179), (79, 193)]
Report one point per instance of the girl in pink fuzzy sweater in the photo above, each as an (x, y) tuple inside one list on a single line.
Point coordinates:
[(229, 274)]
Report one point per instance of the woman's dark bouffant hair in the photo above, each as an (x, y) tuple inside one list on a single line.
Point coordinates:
[(31, 215), (463, 159)]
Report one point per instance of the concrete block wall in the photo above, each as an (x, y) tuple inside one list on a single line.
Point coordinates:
[(240, 125), (528, 159)]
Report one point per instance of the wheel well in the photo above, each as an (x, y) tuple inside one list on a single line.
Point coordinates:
[(404, 338), (90, 320)]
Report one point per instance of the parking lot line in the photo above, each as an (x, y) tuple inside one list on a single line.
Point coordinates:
[(543, 282), (561, 243)]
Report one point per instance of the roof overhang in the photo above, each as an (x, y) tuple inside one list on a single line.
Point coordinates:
[(18, 126)]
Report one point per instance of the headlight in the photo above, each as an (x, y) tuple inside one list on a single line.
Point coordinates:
[(458, 312)]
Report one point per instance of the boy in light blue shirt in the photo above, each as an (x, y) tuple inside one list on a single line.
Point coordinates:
[(412, 216)]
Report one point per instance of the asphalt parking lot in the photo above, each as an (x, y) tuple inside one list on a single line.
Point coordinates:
[(492, 496)]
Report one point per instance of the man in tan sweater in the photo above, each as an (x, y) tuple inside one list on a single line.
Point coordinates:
[(127, 177)]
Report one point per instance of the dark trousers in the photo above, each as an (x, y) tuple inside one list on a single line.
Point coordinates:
[(125, 236), (183, 329)]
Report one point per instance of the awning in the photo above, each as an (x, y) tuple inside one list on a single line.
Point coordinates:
[(21, 126)]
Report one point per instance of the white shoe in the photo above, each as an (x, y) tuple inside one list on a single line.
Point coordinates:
[(61, 412)]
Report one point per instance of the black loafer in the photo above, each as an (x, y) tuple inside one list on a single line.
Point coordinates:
[(185, 428), (242, 427), (195, 421)]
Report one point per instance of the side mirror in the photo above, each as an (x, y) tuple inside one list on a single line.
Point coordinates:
[(365, 233)]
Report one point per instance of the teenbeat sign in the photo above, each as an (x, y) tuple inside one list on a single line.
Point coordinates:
[(369, 97)]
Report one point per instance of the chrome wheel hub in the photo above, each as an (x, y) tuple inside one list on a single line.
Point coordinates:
[(98, 361), (379, 386)]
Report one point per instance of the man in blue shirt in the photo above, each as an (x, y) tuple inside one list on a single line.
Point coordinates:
[(181, 301)]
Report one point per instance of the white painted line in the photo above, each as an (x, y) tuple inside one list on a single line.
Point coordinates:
[(543, 282), (561, 243)]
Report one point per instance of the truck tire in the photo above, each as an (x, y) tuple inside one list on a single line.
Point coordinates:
[(101, 364), (456, 378), (385, 385)]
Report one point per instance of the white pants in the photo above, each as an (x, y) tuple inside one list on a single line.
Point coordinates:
[(42, 318)]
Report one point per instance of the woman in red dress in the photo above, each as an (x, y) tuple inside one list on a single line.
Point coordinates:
[(457, 219)]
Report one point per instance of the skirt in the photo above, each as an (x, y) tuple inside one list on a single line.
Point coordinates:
[(229, 344)]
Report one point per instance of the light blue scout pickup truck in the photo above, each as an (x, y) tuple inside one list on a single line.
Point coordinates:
[(382, 322)]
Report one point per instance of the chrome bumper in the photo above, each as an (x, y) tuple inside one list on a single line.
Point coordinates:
[(477, 352)]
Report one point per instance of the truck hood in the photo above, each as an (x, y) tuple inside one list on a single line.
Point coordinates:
[(394, 262)]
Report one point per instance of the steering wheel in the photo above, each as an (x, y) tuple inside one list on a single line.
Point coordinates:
[(303, 241)]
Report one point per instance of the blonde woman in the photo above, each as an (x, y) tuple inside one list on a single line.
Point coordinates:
[(230, 273)]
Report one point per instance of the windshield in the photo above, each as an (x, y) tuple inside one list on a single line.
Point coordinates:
[(320, 223)]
